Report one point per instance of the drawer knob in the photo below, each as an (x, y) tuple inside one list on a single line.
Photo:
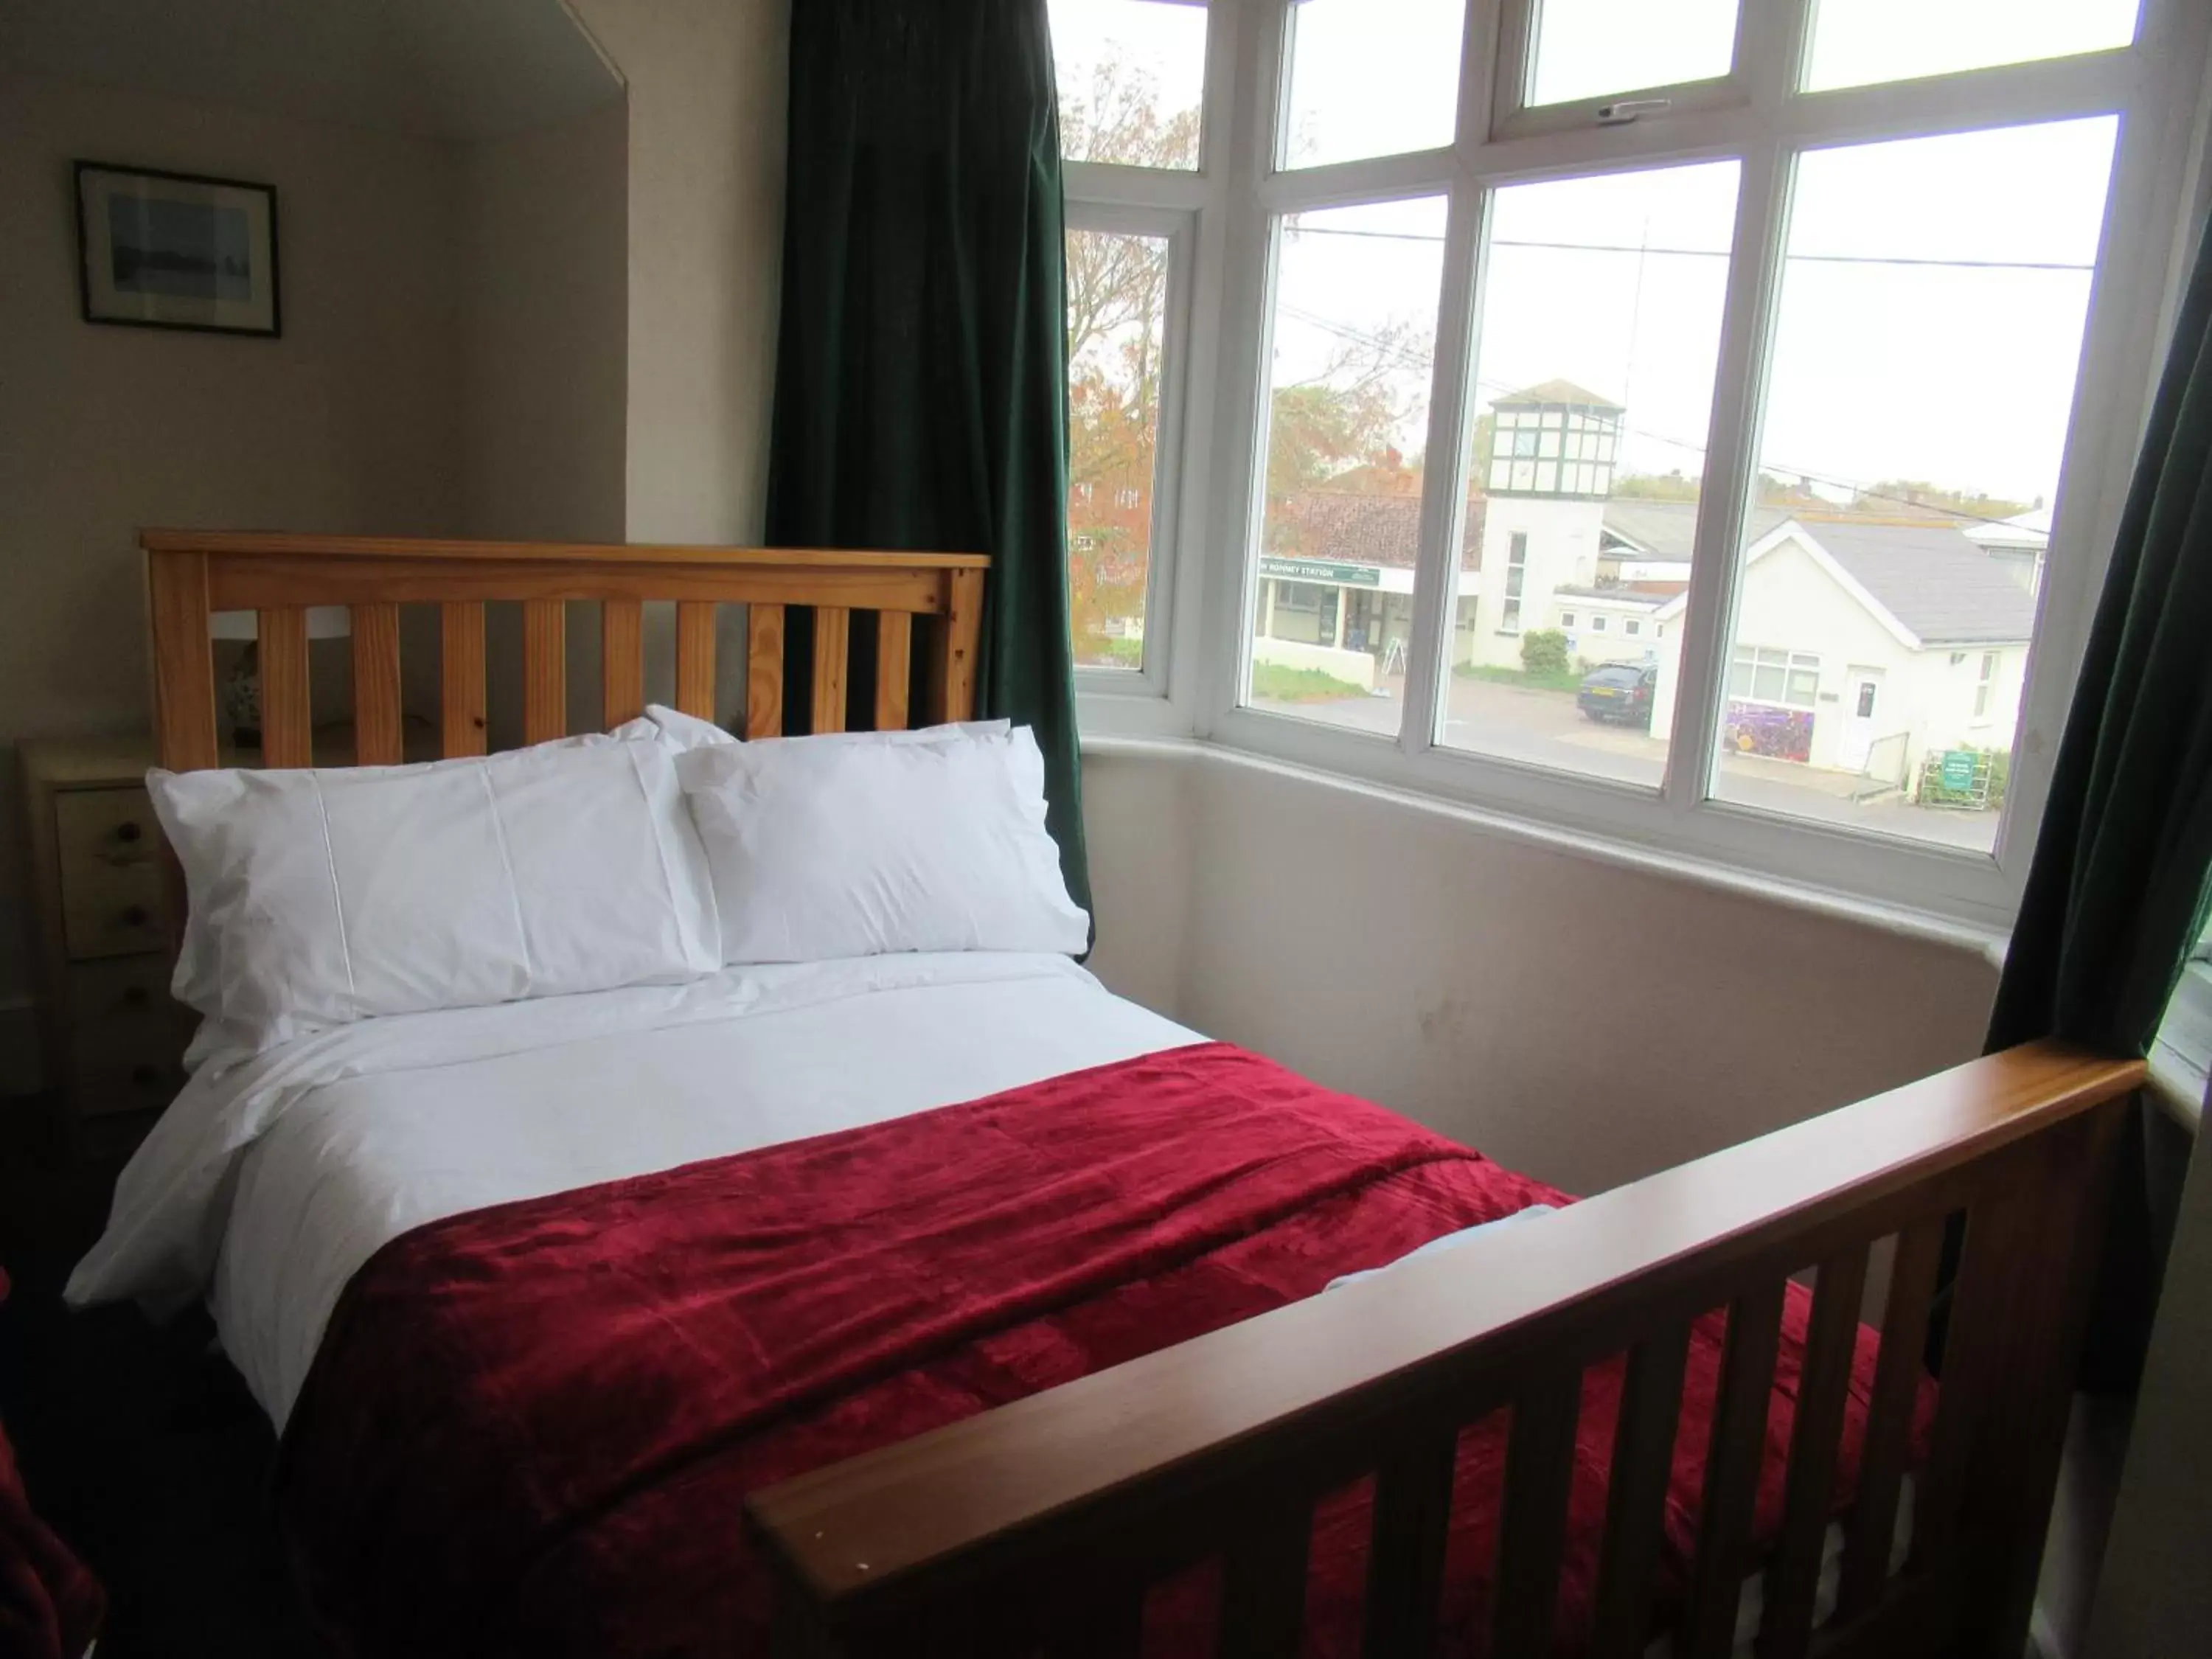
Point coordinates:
[(136, 916), (128, 831), (135, 996), (146, 1077)]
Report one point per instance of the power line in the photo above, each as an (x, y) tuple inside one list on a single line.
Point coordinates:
[(1426, 361), (1707, 252)]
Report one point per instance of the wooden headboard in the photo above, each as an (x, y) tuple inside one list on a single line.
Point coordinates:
[(192, 573)]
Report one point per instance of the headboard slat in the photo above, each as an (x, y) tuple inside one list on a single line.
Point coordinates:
[(378, 739), (763, 671), (963, 633), (832, 635), (694, 658), (893, 665), (288, 729), (461, 703), (545, 670), (621, 660)]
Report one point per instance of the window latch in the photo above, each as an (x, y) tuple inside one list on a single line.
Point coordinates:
[(1627, 109)]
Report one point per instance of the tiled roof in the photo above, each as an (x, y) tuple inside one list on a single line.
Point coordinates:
[(1668, 530), (1358, 529), (1555, 391), (1942, 587)]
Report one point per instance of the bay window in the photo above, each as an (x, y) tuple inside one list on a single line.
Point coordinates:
[(1815, 334)]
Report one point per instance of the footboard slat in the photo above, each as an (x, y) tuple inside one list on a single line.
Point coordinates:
[(1406, 1555), (2000, 1232), (1263, 1584), (1113, 1628), (1732, 1464), (1539, 1467), (1794, 1579), (1872, 1524), (1636, 1503)]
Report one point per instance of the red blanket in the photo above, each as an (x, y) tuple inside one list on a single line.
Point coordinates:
[(530, 1428)]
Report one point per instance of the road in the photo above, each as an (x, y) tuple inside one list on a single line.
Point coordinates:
[(1545, 728)]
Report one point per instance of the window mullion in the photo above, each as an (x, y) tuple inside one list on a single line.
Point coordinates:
[(1491, 32), (1443, 484), (1769, 47), (1239, 433), (1731, 461)]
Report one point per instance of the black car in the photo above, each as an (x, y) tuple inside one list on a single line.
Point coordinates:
[(1620, 691)]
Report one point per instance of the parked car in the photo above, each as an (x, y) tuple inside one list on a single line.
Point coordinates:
[(1620, 691)]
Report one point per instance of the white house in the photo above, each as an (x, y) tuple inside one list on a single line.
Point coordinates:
[(1864, 646)]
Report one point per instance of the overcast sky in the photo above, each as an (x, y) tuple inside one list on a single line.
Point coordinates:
[(1957, 373)]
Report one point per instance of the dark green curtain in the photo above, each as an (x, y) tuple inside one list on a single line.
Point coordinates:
[(2117, 895), (921, 383)]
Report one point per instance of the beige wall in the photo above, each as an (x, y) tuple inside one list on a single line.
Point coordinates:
[(2155, 1589), (350, 423), (1444, 968), (545, 328)]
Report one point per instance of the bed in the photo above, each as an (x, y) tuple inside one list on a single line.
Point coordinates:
[(949, 1304)]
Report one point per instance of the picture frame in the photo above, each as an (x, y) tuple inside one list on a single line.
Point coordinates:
[(157, 249)]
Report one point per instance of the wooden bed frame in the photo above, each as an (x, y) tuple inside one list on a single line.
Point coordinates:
[(1039, 1526), (191, 573)]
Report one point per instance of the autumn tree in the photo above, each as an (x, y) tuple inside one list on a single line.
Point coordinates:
[(1116, 307)]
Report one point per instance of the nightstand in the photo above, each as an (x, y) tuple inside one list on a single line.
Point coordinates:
[(113, 1037)]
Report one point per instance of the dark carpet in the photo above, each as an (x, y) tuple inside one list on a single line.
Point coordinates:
[(139, 1446)]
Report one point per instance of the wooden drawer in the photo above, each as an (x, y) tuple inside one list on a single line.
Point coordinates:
[(126, 1035), (108, 845)]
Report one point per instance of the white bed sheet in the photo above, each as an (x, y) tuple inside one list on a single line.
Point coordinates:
[(266, 1187)]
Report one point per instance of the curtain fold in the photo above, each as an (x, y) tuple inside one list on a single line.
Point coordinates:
[(921, 386), (2117, 895)]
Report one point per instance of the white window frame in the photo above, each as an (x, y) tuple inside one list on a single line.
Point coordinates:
[(1234, 203), (1178, 228)]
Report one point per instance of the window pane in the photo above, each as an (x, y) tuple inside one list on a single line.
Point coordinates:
[(1117, 297), (1601, 309), (1587, 48), (1355, 321), (1132, 76), (1932, 302), (1856, 42), (1371, 77)]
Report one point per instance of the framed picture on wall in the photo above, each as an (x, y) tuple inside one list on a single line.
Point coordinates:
[(172, 250)]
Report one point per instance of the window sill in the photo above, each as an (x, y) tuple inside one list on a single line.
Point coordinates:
[(1899, 920)]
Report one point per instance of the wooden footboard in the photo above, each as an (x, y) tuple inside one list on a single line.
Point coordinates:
[(1038, 1526)]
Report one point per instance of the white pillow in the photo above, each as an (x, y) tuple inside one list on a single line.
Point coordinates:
[(681, 731), (823, 850), (321, 897)]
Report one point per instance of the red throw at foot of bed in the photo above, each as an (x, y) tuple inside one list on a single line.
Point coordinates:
[(531, 1429)]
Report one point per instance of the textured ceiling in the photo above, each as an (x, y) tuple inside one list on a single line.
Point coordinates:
[(459, 69)]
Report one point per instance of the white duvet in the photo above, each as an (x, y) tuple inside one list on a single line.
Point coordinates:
[(268, 1184)]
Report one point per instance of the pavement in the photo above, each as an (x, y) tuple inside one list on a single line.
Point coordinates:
[(1545, 728)]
